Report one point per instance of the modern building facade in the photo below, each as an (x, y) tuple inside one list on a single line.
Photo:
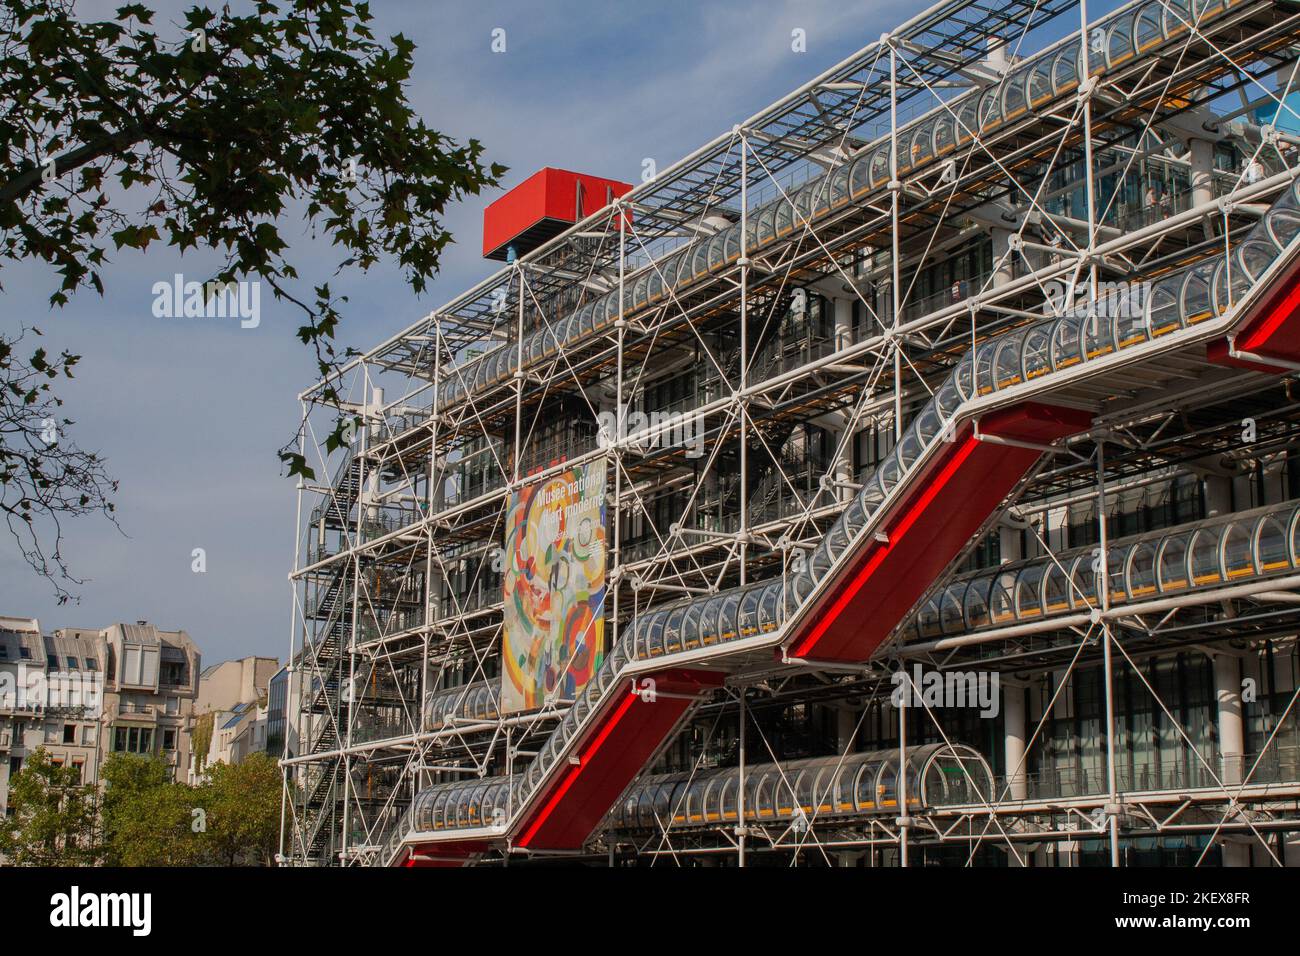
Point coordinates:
[(286, 723), (925, 452)]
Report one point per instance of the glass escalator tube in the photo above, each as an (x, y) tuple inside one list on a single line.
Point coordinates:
[(673, 629), (747, 620), (813, 788), (691, 638), (709, 620), (1207, 553)]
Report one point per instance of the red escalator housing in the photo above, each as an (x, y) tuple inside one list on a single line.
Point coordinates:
[(927, 530), (619, 744), (1271, 332), (444, 854)]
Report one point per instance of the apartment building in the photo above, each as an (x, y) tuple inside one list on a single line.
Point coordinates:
[(84, 693), (233, 698), (152, 681), (243, 681), (47, 699)]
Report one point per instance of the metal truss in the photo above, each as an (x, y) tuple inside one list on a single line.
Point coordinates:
[(764, 396)]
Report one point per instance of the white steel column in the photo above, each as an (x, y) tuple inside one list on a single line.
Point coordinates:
[(901, 787), (1108, 664), (1232, 737), (1201, 155), (616, 576), (1218, 495), (1232, 746), (290, 721), (844, 442), (1085, 91), (742, 407), (1003, 260), (845, 723), (896, 287), (741, 829), (843, 313), (347, 690), (895, 188), (1013, 739)]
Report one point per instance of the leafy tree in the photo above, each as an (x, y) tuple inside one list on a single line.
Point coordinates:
[(52, 819), (117, 136), (147, 819), (243, 811), (232, 818), (201, 738), (160, 830), (43, 477)]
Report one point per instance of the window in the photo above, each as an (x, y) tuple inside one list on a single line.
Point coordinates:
[(135, 740), (4, 650), (69, 733), (139, 665), (173, 705), (169, 740), (72, 663), (91, 664), (53, 661), (25, 653), (174, 673)]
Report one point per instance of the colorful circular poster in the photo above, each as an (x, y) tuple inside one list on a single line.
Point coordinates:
[(554, 585)]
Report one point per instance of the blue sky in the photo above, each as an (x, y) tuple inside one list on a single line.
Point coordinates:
[(190, 412)]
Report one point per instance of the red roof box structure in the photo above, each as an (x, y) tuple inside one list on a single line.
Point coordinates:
[(542, 207)]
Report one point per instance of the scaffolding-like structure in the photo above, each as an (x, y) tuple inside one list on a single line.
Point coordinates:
[(1053, 216)]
